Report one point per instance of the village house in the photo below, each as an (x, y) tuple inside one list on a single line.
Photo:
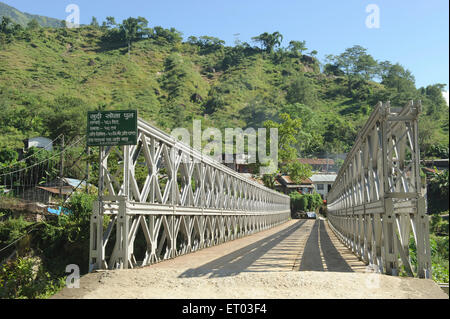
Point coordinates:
[(323, 183), (287, 185)]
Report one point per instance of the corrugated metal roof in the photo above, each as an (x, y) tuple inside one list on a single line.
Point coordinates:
[(317, 178), (74, 182)]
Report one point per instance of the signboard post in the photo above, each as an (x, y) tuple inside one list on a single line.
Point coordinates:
[(111, 128)]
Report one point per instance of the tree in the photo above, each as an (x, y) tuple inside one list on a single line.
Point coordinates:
[(339, 135), (399, 79), (64, 117), (269, 41), (366, 66), (297, 171), (434, 101), (33, 25), (8, 30), (4, 26), (269, 179), (287, 131), (133, 29), (309, 139), (297, 47), (400, 83), (383, 69), (163, 35), (301, 91), (210, 44), (438, 191), (355, 63), (111, 22), (94, 22)]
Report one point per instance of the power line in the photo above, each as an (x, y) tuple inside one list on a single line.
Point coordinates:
[(51, 157), (34, 154)]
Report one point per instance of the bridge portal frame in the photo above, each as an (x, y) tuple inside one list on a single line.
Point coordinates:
[(180, 199), (377, 200)]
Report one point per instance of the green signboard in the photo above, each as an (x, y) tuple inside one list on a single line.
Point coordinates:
[(110, 128)]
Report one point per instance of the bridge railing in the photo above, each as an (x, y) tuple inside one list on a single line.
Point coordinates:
[(160, 199), (376, 205)]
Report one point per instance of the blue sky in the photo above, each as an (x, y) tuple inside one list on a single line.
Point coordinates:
[(413, 33)]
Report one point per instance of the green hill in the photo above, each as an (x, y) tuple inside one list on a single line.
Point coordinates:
[(23, 18), (50, 78)]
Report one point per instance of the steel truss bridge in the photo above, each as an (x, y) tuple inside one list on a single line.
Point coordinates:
[(376, 205), (160, 199), (180, 199)]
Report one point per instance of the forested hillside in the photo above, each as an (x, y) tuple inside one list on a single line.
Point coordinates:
[(24, 19), (50, 78)]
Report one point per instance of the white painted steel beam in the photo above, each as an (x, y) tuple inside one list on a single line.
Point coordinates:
[(377, 201), (175, 199)]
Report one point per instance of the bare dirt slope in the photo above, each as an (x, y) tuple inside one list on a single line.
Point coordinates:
[(299, 259)]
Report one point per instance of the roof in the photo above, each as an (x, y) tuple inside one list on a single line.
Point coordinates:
[(441, 162), (316, 161), (317, 178), (287, 180), (74, 182), (55, 190), (431, 170), (258, 181)]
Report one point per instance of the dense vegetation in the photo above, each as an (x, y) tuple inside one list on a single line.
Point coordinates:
[(50, 77), (305, 202), (23, 18), (44, 249)]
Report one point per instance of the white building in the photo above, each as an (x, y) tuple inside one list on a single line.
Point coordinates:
[(323, 183)]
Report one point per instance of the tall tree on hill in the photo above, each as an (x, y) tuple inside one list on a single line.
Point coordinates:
[(133, 29), (163, 35), (111, 22), (356, 65), (399, 79), (4, 25), (94, 22), (33, 25), (297, 47), (269, 41)]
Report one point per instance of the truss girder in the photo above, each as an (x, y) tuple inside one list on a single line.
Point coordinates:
[(175, 200), (377, 205)]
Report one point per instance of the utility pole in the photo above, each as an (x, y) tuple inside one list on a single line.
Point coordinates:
[(88, 152), (61, 166)]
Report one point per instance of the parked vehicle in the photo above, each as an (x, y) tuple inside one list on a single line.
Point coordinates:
[(311, 215)]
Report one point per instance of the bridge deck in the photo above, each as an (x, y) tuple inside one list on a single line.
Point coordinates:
[(295, 245), (299, 259)]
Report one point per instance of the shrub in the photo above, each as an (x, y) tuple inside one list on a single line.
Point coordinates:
[(26, 278), (305, 202), (438, 226), (81, 206), (12, 229)]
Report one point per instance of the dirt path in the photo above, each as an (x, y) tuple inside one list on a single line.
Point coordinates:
[(299, 259)]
